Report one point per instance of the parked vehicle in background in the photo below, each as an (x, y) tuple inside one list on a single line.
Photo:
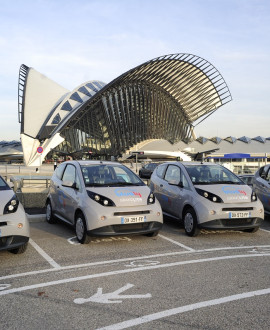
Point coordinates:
[(146, 171), (14, 226), (102, 198), (261, 185), (206, 195), (247, 178)]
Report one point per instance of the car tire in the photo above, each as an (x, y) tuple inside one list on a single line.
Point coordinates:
[(49, 213), (81, 229), (20, 249), (153, 234), (251, 230), (191, 223)]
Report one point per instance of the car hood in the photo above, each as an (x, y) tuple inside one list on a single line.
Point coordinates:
[(124, 196), (229, 193), (5, 197)]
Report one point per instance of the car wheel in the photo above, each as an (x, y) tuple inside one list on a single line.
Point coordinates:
[(20, 249), (49, 213), (251, 230), (81, 229), (191, 223), (153, 234)]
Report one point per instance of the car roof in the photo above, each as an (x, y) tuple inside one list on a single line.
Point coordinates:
[(193, 163), (92, 162)]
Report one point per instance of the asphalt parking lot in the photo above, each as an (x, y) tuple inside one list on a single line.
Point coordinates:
[(218, 280)]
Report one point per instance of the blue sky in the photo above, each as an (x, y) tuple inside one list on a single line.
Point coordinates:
[(75, 41)]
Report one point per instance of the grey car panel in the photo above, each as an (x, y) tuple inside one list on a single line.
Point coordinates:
[(218, 197)]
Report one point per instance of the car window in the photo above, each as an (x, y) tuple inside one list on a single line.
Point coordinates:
[(3, 185), (172, 174), (263, 171), (268, 175), (160, 170), (59, 170), (70, 173)]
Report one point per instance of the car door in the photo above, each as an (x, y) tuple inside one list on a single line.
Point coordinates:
[(157, 183), (266, 194), (69, 196), (262, 186)]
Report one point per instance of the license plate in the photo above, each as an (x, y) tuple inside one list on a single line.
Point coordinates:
[(239, 215), (133, 219)]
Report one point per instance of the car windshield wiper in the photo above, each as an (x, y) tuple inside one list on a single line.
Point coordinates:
[(127, 184), (231, 182)]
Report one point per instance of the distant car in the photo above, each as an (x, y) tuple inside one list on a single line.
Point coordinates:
[(102, 198), (261, 185), (247, 178), (146, 171), (14, 226), (206, 195)]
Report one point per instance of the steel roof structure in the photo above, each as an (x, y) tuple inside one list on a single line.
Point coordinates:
[(160, 99)]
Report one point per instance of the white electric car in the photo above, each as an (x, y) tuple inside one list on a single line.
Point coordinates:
[(14, 226), (206, 195), (101, 198)]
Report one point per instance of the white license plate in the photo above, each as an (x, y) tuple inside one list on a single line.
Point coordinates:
[(239, 215), (133, 219)]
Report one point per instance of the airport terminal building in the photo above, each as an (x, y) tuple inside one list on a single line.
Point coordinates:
[(160, 99), (152, 108)]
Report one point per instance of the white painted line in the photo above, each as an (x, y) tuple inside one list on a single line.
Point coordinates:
[(107, 262), (183, 309), (125, 271), (44, 254), (268, 231), (176, 243)]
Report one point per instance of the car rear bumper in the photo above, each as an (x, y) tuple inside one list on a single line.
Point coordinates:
[(126, 229), (12, 242), (232, 224)]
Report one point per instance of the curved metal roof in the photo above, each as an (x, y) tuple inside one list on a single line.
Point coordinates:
[(159, 99)]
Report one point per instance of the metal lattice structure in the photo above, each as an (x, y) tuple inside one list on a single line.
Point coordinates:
[(159, 99)]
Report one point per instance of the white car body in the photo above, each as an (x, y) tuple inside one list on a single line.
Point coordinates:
[(14, 225), (79, 200)]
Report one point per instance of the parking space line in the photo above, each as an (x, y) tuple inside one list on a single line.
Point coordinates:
[(108, 262), (44, 254), (177, 243), (126, 271), (268, 231), (183, 309)]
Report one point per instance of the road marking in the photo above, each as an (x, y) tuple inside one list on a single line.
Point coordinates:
[(4, 286), (107, 262), (112, 297), (268, 231), (183, 309), (44, 255), (176, 243), (125, 271)]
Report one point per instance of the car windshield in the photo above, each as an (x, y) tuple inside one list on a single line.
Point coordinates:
[(109, 175), (211, 174), (3, 185)]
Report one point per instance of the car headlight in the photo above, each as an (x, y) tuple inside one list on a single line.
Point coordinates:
[(12, 205), (212, 197), (151, 198), (253, 196), (105, 201)]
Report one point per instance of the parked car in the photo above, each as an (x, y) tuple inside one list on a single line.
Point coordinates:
[(14, 226), (102, 199), (261, 185), (206, 195), (247, 178), (146, 171)]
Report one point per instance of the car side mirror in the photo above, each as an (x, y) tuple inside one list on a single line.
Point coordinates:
[(70, 184), (174, 183)]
